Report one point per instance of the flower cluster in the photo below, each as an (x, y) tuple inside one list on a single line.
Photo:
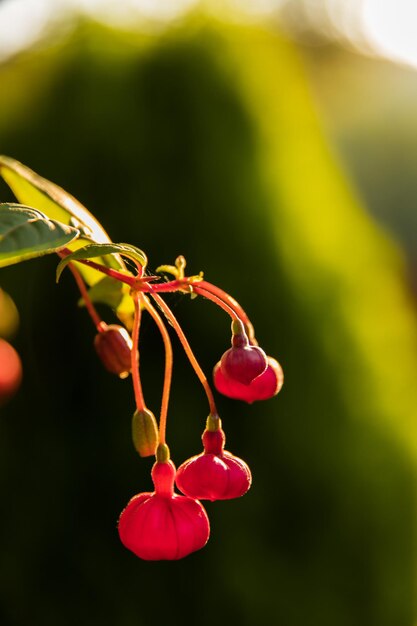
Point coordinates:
[(163, 524), (160, 524)]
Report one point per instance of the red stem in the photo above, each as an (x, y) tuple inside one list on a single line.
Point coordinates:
[(187, 348), (98, 322), (211, 292), (137, 386), (218, 301), (211, 289), (124, 278), (109, 271), (203, 287), (168, 368)]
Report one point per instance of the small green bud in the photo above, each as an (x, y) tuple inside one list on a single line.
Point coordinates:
[(162, 453), (145, 432), (238, 327), (213, 423)]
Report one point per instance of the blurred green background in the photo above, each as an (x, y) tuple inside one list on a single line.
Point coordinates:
[(205, 140)]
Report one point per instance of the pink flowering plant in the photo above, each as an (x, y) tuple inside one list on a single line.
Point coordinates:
[(160, 524)]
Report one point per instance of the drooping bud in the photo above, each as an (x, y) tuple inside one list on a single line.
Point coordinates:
[(215, 474), (114, 347), (163, 525), (264, 386), (242, 362), (145, 432)]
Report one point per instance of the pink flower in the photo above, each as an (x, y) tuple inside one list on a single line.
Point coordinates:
[(215, 474), (163, 525), (264, 386)]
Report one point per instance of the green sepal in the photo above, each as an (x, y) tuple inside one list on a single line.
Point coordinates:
[(213, 423), (145, 432), (162, 453), (26, 233), (167, 269), (238, 328)]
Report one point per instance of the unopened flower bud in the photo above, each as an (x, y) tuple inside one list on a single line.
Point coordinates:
[(215, 474), (264, 386), (242, 362), (145, 432), (163, 525), (114, 347)]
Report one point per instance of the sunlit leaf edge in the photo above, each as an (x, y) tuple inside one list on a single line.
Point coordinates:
[(63, 207), (92, 251), (21, 209)]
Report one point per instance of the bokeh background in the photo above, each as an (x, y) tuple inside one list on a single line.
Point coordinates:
[(280, 159)]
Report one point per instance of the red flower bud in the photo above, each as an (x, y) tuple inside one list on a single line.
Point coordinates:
[(265, 386), (163, 525), (215, 474), (242, 362), (114, 346)]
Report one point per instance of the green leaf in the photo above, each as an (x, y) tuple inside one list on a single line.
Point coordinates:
[(26, 234), (35, 191), (116, 295), (92, 251), (106, 291)]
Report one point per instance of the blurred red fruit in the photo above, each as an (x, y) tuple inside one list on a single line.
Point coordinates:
[(10, 371)]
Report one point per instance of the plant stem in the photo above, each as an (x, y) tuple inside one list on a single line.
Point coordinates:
[(187, 348), (172, 285), (88, 304), (202, 287), (168, 367), (109, 271), (213, 290), (137, 385), (209, 291), (218, 301)]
